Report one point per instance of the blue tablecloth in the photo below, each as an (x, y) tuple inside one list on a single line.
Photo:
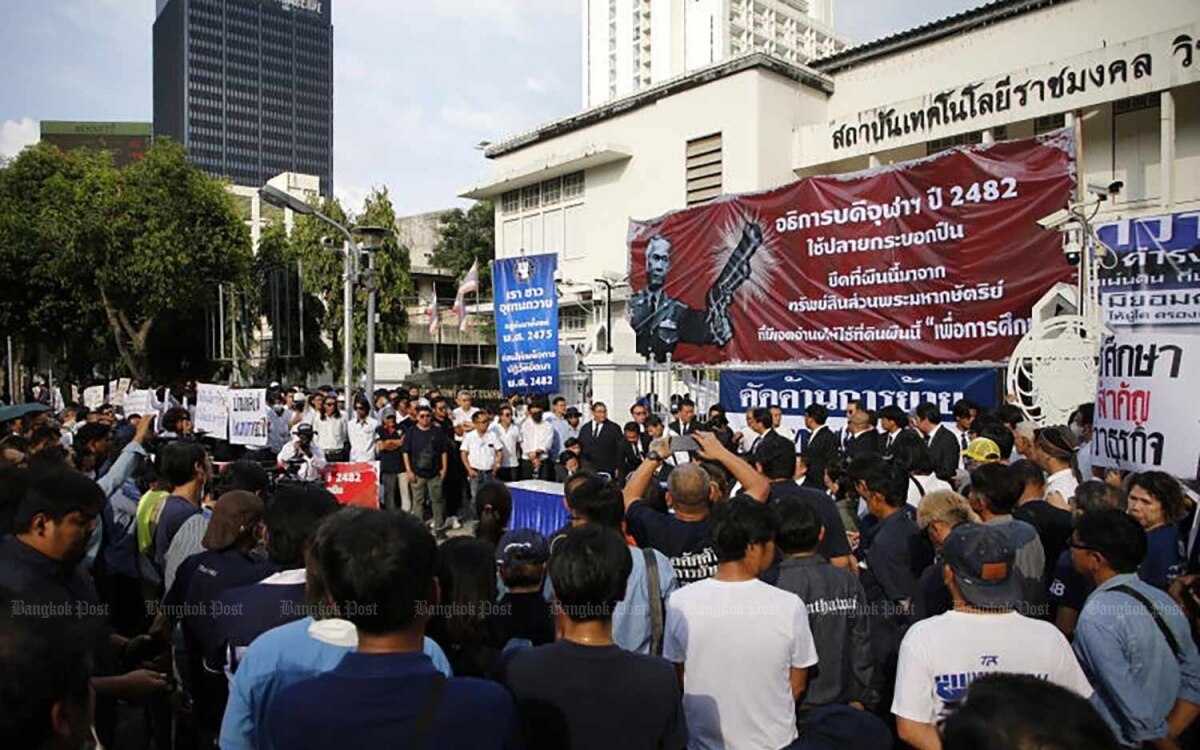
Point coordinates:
[(538, 505)]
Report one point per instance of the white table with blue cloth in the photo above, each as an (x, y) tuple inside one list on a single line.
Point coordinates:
[(538, 505)]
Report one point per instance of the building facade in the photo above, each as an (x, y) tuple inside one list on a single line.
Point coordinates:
[(756, 122), (247, 86), (631, 45), (126, 141)]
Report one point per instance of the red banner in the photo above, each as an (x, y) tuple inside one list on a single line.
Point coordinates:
[(354, 483), (929, 261)]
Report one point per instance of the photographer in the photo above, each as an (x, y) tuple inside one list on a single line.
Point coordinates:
[(303, 455)]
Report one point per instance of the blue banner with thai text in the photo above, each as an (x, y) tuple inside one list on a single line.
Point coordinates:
[(794, 390), (1152, 276), (526, 323)]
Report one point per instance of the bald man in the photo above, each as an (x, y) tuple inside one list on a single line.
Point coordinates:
[(864, 438)]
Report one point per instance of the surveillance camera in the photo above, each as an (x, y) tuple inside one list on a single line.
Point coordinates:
[(1104, 192), (328, 241), (1055, 220), (1074, 252)]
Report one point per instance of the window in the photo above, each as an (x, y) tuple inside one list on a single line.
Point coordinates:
[(1048, 123), (572, 185), (704, 170), (570, 319), (1134, 103), (962, 139), (530, 197), (551, 191)]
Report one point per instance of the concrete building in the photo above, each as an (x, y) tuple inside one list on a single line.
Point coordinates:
[(756, 122), (126, 141), (446, 347), (247, 86), (631, 45)]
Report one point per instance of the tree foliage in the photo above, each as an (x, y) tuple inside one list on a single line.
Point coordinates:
[(467, 237), (106, 255)]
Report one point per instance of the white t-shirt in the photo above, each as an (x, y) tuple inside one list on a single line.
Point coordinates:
[(481, 450), (939, 658), (1064, 483), (362, 438), (458, 416), (930, 484), (738, 642), (509, 442)]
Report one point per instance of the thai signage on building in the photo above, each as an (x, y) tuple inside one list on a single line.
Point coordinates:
[(1138, 66), (1151, 278), (935, 260)]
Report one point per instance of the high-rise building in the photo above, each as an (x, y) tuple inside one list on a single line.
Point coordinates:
[(630, 45), (126, 141), (247, 86)]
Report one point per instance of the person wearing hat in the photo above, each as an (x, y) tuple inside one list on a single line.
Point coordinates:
[(980, 451), (1054, 450), (995, 489), (940, 512), (304, 453), (389, 444), (523, 612), (983, 633)]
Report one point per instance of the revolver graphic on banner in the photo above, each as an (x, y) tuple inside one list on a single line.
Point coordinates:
[(733, 275)]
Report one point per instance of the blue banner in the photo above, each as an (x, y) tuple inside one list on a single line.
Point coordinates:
[(794, 390), (1152, 279), (526, 323)]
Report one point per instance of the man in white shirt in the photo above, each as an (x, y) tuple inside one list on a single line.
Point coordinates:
[(509, 437), (1054, 448), (742, 647), (481, 452), (983, 633), (777, 425), (361, 431), (537, 443), (464, 414), (304, 453)]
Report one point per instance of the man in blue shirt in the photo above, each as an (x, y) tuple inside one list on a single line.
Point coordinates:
[(1132, 640), (290, 654), (187, 467), (378, 572)]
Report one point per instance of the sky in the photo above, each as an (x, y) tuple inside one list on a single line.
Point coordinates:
[(417, 83)]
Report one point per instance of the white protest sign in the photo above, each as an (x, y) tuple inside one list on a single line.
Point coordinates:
[(212, 411), (93, 397), (1147, 413), (139, 402), (248, 417), (116, 396)]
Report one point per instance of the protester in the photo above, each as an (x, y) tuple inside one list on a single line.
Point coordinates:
[(993, 495), (481, 453), (493, 507), (1021, 712), (983, 633), (187, 467), (584, 691), (303, 455), (1053, 524), (1156, 503), (939, 513), (1080, 422), (389, 446), (331, 432), (980, 452), (298, 650), (426, 461), (1143, 663), (508, 435), (1068, 589), (378, 571), (685, 535), (464, 625), (638, 620), (777, 462), (361, 432), (1054, 450), (743, 671), (537, 443), (522, 612), (837, 613)]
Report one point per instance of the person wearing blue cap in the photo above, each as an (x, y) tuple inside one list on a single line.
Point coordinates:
[(983, 633), (523, 612)]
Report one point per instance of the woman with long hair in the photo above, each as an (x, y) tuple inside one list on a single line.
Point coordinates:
[(463, 624), (331, 431)]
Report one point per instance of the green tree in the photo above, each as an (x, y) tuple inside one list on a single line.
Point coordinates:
[(392, 282), (274, 268), (468, 237)]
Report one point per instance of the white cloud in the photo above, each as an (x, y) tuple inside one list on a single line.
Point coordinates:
[(17, 134), (541, 84)]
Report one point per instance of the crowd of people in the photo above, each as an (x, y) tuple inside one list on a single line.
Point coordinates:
[(962, 580)]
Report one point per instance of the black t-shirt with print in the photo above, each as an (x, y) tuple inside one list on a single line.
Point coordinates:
[(687, 543)]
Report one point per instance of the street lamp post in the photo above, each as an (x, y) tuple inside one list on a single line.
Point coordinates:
[(372, 240)]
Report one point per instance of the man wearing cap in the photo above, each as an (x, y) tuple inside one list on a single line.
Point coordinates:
[(980, 451), (994, 492), (305, 453), (983, 633), (523, 612), (1132, 639), (389, 445)]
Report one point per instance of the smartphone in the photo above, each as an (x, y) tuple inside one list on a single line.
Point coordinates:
[(684, 443)]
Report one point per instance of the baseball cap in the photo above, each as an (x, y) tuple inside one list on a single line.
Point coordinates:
[(386, 412), (232, 514), (522, 546), (982, 449), (572, 412), (983, 564), (304, 429)]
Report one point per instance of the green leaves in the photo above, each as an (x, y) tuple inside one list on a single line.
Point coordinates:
[(466, 237)]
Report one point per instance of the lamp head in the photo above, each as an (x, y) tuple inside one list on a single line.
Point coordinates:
[(370, 238), (283, 199)]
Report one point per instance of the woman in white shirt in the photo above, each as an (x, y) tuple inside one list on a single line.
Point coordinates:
[(331, 432), (509, 436)]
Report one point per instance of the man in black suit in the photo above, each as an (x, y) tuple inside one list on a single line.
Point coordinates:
[(864, 438), (895, 429), (601, 441), (635, 449), (823, 446), (685, 424), (943, 445)]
